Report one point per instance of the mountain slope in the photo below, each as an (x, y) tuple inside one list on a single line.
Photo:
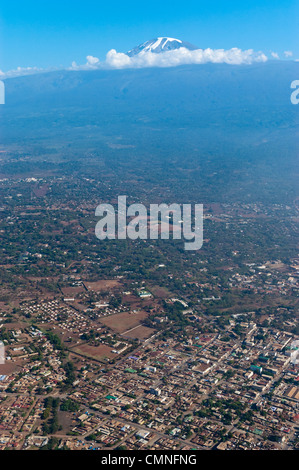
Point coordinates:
[(196, 122), (161, 44)]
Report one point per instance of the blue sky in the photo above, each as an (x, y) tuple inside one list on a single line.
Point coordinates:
[(45, 34)]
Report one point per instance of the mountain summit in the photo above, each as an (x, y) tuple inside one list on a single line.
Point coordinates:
[(159, 45)]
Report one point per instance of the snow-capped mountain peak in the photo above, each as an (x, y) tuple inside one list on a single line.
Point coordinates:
[(161, 44)]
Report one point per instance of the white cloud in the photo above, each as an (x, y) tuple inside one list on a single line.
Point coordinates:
[(92, 60), (275, 55), (91, 63), (183, 56), (288, 53), (19, 71), (119, 60)]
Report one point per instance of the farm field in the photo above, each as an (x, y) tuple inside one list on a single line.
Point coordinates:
[(99, 353), (121, 322)]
